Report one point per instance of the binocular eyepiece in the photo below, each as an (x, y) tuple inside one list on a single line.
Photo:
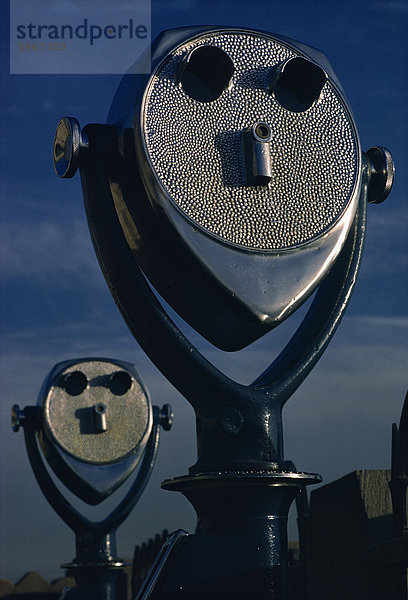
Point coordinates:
[(97, 419)]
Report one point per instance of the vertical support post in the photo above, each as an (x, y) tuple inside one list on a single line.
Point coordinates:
[(96, 569), (240, 548)]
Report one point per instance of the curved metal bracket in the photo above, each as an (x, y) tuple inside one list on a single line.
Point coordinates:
[(72, 517), (198, 380)]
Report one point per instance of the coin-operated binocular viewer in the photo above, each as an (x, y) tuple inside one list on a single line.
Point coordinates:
[(95, 424), (232, 180)]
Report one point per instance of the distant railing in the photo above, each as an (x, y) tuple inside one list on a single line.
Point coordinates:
[(143, 559)]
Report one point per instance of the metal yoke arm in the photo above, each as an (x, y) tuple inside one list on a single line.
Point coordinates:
[(217, 400), (187, 369), (74, 520)]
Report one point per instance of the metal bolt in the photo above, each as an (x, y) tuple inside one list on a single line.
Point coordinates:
[(382, 172), (17, 418), (99, 413), (231, 420), (69, 141), (257, 154), (166, 417), (262, 132)]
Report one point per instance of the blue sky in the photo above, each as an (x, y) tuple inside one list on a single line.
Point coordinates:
[(55, 304)]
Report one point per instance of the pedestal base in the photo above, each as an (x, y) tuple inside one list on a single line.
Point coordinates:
[(240, 548)]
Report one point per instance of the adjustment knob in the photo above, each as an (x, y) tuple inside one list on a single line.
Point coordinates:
[(17, 418), (166, 417), (69, 141), (382, 174)]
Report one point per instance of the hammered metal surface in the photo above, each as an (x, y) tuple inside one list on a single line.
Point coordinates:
[(67, 417), (194, 149)]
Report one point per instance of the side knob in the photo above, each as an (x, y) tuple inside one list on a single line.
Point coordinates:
[(69, 142), (382, 174), (17, 418)]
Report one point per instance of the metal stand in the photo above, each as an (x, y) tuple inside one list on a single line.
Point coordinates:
[(241, 486), (96, 568)]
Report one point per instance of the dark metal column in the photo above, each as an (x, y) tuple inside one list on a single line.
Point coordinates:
[(240, 548)]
